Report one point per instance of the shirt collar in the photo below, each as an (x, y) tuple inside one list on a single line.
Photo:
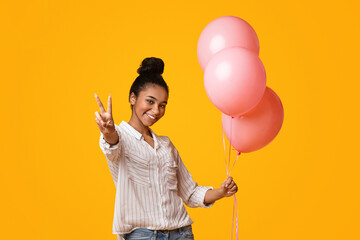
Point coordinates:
[(155, 137), (131, 130), (138, 135)]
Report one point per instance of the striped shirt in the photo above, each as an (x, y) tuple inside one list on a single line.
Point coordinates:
[(152, 183)]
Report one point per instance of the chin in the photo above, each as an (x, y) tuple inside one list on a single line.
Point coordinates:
[(152, 123), (148, 124)]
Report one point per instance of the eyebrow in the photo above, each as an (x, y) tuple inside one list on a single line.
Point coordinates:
[(156, 99)]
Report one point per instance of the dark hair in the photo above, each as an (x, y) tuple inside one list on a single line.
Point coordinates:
[(150, 72)]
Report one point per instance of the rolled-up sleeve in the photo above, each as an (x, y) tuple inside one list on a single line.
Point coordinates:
[(112, 153), (192, 194)]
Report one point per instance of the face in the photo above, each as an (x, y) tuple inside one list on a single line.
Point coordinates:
[(150, 105)]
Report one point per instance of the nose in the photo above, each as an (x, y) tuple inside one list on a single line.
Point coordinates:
[(155, 110)]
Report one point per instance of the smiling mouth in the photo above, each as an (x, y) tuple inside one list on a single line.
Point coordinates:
[(152, 117)]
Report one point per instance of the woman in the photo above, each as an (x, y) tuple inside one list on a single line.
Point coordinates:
[(152, 182)]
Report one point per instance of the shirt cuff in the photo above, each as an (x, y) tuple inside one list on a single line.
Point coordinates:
[(201, 192)]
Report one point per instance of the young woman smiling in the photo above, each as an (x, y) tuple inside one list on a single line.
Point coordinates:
[(152, 182)]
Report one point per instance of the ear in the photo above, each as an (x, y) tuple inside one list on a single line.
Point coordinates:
[(132, 98)]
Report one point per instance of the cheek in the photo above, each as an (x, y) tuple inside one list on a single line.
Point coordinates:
[(143, 106), (139, 109), (163, 111)]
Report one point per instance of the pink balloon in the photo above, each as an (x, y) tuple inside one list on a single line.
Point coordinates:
[(225, 32), (235, 81), (256, 128)]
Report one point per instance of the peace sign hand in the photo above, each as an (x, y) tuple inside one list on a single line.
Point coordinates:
[(105, 120)]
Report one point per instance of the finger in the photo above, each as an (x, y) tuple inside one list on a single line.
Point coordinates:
[(102, 109), (231, 185), (96, 120), (101, 121), (230, 193), (228, 181), (99, 116), (234, 189), (99, 124), (109, 108)]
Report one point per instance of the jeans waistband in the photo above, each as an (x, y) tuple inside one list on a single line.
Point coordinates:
[(177, 230), (145, 232), (185, 228)]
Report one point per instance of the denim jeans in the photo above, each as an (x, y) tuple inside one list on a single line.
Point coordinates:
[(184, 233)]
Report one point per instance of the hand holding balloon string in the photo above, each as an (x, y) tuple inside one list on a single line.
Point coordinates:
[(227, 189)]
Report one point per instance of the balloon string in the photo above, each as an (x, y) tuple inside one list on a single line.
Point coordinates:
[(227, 170), (226, 164), (235, 217), (234, 164), (232, 224), (230, 143)]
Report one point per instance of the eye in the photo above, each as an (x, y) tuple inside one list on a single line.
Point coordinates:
[(162, 106), (150, 101)]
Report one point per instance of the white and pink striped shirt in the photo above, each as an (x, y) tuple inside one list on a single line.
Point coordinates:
[(151, 183)]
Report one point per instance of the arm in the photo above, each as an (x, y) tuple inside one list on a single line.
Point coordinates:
[(227, 189), (189, 191), (200, 196), (111, 151), (111, 138), (110, 134)]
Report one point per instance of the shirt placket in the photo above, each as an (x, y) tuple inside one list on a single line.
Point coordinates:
[(159, 190), (159, 184)]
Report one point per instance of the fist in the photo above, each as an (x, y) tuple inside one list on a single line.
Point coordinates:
[(228, 187)]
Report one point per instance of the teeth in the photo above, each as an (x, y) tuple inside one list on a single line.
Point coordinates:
[(151, 116)]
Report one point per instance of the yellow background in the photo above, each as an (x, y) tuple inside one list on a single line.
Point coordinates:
[(54, 55)]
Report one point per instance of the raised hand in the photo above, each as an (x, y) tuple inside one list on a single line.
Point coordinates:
[(104, 119)]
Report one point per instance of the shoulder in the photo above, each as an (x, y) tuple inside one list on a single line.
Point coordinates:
[(164, 140), (167, 144)]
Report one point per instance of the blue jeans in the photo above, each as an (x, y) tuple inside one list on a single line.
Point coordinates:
[(184, 233)]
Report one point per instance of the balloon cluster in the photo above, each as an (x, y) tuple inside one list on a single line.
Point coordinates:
[(235, 82)]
